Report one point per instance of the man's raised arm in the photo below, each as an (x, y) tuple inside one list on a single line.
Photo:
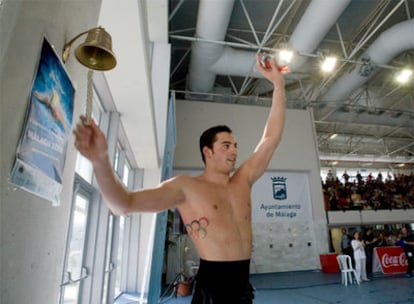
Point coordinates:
[(272, 133), (91, 143)]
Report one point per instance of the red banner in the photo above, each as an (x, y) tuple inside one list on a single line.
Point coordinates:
[(391, 259)]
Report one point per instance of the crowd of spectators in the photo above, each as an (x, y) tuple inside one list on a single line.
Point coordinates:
[(369, 193)]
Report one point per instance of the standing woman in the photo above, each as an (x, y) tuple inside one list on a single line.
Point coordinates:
[(360, 258)]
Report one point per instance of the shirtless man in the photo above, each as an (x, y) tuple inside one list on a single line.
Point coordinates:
[(215, 206)]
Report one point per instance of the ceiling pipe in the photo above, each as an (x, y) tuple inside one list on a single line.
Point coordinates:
[(209, 60), (212, 23), (389, 44), (319, 17), (236, 63)]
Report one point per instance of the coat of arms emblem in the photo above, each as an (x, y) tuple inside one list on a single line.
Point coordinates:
[(279, 188)]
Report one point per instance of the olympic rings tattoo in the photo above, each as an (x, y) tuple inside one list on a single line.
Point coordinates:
[(198, 228)]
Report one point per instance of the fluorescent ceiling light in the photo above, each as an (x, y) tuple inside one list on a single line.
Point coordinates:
[(333, 136)]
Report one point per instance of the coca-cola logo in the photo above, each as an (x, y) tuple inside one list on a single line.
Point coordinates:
[(388, 260)]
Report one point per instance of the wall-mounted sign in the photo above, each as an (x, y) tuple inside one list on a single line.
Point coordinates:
[(281, 196)]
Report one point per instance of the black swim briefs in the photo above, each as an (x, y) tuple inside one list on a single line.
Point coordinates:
[(224, 282)]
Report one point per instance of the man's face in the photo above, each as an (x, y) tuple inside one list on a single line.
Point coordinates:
[(225, 150)]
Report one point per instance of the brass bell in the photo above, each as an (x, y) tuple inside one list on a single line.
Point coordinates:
[(96, 52)]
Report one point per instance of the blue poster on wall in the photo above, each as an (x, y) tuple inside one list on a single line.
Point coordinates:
[(41, 151)]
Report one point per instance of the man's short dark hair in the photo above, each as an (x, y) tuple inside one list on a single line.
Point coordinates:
[(209, 136)]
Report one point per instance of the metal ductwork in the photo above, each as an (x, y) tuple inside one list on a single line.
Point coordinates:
[(212, 23), (319, 18), (389, 44), (236, 63), (209, 59)]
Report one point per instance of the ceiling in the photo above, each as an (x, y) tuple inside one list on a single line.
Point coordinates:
[(134, 27), (213, 45)]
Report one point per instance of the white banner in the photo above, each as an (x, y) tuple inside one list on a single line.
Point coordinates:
[(281, 196)]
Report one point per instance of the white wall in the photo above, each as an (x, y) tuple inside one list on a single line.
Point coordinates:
[(33, 233), (297, 152), (369, 217)]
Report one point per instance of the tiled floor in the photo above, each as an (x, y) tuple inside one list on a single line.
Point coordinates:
[(315, 287)]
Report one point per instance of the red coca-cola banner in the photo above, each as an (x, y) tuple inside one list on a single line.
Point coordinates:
[(391, 259)]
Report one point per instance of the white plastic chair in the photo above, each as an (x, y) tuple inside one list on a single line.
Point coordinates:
[(347, 272)]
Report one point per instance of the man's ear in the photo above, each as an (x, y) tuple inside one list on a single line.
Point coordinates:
[(207, 152)]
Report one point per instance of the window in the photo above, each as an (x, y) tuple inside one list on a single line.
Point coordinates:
[(75, 270), (109, 264)]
